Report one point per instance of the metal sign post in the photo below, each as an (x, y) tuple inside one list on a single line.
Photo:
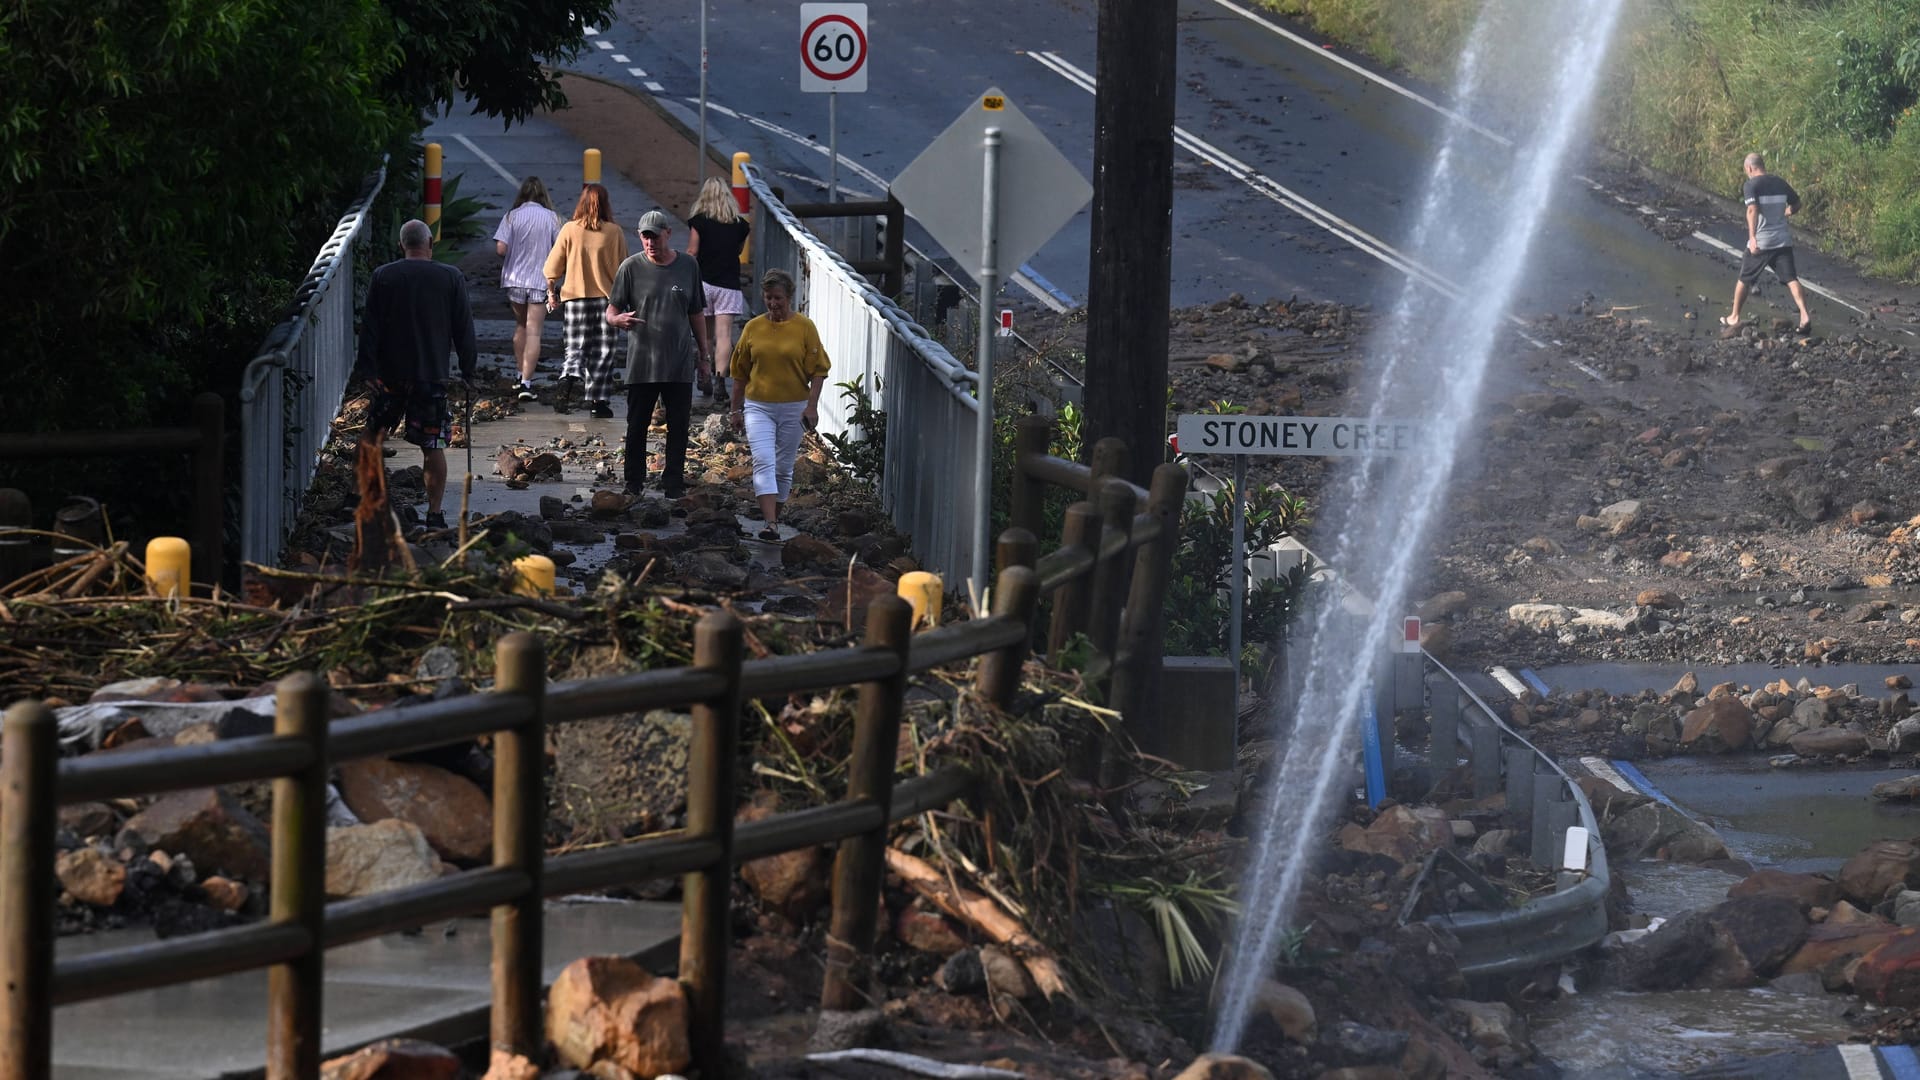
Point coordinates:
[(833, 147), (700, 163), (1238, 605), (983, 349)]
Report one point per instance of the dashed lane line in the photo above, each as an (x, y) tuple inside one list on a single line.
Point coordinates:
[(656, 88), (1378, 80), (485, 157), (637, 73), (607, 45), (1859, 1061), (1266, 186), (621, 58)]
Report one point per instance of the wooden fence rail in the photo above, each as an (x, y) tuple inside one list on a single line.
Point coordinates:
[(301, 925)]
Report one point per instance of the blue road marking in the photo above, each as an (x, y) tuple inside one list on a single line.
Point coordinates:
[(1374, 756), (1639, 779), (1533, 680), (1901, 1061), (1049, 287)]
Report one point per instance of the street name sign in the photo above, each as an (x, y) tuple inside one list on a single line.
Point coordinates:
[(833, 48), (1313, 436), (1040, 190)]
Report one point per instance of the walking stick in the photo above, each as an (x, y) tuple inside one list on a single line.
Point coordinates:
[(469, 429)]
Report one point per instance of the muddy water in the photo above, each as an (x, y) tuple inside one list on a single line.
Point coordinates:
[(1794, 819)]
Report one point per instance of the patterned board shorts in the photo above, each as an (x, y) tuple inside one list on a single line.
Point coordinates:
[(424, 407), (526, 296), (724, 301)]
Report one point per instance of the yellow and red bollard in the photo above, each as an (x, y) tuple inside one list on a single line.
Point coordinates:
[(431, 196), (589, 167), (743, 196)]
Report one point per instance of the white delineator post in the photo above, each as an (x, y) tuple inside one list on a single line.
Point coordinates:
[(983, 350)]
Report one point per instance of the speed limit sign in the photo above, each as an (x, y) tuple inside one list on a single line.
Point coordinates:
[(833, 48)]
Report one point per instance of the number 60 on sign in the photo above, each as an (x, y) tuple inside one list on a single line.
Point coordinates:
[(833, 48)]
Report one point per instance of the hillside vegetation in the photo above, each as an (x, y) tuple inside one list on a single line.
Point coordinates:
[(1825, 88)]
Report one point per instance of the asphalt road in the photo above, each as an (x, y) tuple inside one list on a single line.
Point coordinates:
[(1296, 174)]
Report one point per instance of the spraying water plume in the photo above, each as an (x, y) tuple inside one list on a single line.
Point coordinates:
[(1481, 208)]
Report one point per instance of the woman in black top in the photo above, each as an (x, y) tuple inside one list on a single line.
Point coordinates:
[(717, 233)]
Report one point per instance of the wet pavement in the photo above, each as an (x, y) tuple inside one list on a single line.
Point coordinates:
[(434, 983)]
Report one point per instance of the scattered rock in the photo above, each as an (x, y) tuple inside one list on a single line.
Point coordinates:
[(1720, 725), (847, 1030), (1878, 869), (1890, 974), (1807, 891), (1905, 789), (963, 973), (395, 1059), (608, 1008), (225, 894), (455, 815), (92, 876), (1656, 830), (508, 1066), (801, 550), (367, 859), (1224, 1067), (793, 883), (1829, 741), (210, 827), (1664, 599), (927, 931), (1444, 605), (1492, 1025), (1006, 977), (1289, 1010)]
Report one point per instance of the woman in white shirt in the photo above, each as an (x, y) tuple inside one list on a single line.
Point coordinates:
[(523, 239)]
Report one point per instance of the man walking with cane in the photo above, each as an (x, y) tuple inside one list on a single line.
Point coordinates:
[(417, 312)]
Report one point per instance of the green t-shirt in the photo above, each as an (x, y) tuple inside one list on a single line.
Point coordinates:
[(668, 298)]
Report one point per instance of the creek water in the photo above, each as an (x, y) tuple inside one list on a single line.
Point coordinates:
[(1479, 214)]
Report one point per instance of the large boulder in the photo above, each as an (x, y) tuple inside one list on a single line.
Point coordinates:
[(1224, 1067), (1656, 830), (1831, 950), (1807, 891), (1404, 833), (1719, 725), (1905, 736), (210, 827), (1809, 714), (608, 1008), (618, 777), (1905, 789), (1829, 741), (386, 855), (1890, 974), (1289, 1010), (450, 809), (1880, 867), (395, 1059), (1754, 937)]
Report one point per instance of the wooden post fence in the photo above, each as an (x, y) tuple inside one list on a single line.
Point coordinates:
[(298, 897), (719, 646), (519, 845)]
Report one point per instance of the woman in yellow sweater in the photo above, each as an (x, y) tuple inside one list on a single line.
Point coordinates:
[(778, 369), (588, 251)]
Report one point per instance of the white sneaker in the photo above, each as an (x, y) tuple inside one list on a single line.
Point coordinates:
[(526, 392)]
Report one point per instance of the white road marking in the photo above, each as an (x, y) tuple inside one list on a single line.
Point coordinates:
[(1378, 80), (1859, 1061), (620, 58), (608, 45), (483, 156), (1508, 682), (1600, 767), (656, 88), (1271, 189), (637, 73), (593, 31)]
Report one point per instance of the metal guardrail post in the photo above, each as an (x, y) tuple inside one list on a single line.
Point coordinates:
[(1443, 739), (1485, 751), (210, 490), (1548, 792), (1138, 660), (519, 844), (299, 894), (30, 748), (1071, 601), (859, 865), (1517, 762), (1112, 574), (719, 644), (1015, 595), (1028, 511)]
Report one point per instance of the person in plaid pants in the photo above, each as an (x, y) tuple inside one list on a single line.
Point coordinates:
[(588, 251)]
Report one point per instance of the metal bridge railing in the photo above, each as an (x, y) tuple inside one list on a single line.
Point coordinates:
[(928, 396), (291, 392)]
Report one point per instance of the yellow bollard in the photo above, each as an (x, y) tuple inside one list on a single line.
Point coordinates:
[(431, 170), (743, 197), (535, 574), (169, 566), (589, 166), (925, 593)]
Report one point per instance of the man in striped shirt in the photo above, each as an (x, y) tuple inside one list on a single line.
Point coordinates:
[(1770, 201)]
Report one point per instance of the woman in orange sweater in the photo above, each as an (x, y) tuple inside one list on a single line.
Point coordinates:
[(588, 251)]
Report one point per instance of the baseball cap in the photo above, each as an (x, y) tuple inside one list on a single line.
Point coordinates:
[(653, 221)]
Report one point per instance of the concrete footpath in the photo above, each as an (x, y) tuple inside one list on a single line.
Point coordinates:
[(434, 984)]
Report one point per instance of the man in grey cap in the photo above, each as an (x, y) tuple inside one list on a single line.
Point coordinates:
[(657, 298)]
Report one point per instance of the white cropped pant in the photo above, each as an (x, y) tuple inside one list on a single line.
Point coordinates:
[(773, 432)]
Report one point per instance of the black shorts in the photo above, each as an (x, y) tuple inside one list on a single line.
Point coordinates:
[(423, 406), (1781, 259)]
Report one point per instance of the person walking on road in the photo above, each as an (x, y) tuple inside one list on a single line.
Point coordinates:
[(1770, 202), (716, 234), (417, 312), (524, 239), (778, 367), (657, 298), (585, 255)]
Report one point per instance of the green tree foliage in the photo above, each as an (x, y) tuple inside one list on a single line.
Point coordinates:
[(491, 50)]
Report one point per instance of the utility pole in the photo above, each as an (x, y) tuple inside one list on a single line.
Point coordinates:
[(1131, 264)]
